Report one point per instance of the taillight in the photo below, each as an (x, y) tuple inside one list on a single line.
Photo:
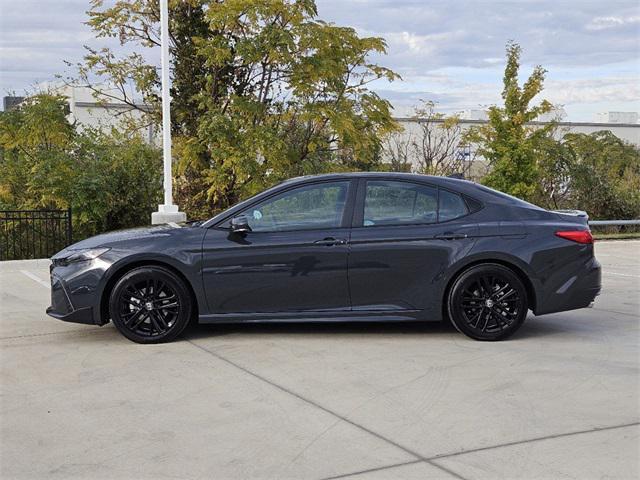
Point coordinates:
[(579, 236)]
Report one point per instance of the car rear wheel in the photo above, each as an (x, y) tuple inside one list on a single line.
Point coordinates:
[(150, 305), (488, 302)]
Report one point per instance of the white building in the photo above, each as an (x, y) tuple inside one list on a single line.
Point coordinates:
[(473, 114), (630, 132), (556, 114), (102, 111), (617, 117)]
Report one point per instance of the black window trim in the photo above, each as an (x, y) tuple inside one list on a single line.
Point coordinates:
[(357, 220), (346, 214)]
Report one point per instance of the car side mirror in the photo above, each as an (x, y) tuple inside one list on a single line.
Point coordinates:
[(240, 224)]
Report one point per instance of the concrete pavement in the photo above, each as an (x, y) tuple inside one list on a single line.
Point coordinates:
[(366, 401)]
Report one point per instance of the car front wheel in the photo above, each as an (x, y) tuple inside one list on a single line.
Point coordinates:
[(150, 305), (487, 302)]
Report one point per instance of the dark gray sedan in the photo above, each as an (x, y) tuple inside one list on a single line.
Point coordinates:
[(339, 247)]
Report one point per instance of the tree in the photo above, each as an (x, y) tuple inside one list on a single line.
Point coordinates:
[(262, 90), (439, 145), (507, 142), (35, 140), (398, 152), (553, 163), (436, 146), (110, 180), (604, 175)]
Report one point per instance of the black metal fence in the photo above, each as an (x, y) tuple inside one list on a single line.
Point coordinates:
[(34, 233)]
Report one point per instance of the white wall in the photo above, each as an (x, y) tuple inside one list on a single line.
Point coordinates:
[(627, 132), (103, 112)]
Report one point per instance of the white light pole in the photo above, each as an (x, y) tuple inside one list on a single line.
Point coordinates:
[(168, 212)]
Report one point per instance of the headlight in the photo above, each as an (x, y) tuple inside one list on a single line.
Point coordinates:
[(80, 256)]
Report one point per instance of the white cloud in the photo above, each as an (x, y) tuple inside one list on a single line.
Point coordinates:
[(603, 23), (614, 89)]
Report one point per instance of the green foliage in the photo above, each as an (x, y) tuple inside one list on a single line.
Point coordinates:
[(507, 142), (262, 91), (604, 175), (598, 173), (35, 141), (110, 181)]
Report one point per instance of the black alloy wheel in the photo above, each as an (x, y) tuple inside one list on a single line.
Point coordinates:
[(150, 305), (488, 302)]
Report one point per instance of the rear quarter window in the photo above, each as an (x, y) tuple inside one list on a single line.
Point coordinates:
[(507, 198), (451, 205)]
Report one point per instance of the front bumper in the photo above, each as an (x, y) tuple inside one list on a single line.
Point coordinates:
[(63, 307), (80, 315), (75, 293)]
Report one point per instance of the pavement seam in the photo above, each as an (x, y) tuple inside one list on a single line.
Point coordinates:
[(370, 470), (621, 274), (531, 440), (414, 454), (635, 315), (45, 334), (433, 460)]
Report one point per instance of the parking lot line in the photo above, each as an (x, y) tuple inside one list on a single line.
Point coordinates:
[(35, 278)]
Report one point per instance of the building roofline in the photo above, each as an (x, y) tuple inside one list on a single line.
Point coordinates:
[(116, 106), (560, 124)]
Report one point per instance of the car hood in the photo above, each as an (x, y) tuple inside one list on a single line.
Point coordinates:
[(110, 238)]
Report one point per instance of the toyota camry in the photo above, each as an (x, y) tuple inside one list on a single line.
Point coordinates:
[(338, 247)]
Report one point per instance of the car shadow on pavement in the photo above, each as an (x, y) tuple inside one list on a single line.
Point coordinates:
[(320, 328), (532, 328)]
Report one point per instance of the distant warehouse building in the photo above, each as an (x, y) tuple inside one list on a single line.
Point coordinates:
[(103, 111), (629, 132), (623, 125), (618, 117)]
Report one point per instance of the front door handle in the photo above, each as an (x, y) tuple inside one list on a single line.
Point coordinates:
[(451, 236), (330, 241)]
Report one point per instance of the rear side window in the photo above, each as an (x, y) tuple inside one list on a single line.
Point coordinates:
[(451, 205), (398, 203)]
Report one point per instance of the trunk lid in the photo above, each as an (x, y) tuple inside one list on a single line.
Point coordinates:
[(578, 217)]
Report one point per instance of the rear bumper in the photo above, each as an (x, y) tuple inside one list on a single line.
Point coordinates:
[(579, 291)]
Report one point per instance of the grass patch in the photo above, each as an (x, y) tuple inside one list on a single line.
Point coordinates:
[(616, 236)]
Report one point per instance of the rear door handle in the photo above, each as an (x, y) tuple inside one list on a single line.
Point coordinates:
[(451, 236), (330, 241)]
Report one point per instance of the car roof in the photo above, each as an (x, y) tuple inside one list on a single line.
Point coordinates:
[(455, 183)]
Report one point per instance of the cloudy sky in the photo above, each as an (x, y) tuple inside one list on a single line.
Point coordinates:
[(449, 51)]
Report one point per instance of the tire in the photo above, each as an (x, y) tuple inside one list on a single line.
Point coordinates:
[(150, 305), (487, 302)]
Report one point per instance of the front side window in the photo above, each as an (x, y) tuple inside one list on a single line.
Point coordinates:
[(310, 207), (398, 203)]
